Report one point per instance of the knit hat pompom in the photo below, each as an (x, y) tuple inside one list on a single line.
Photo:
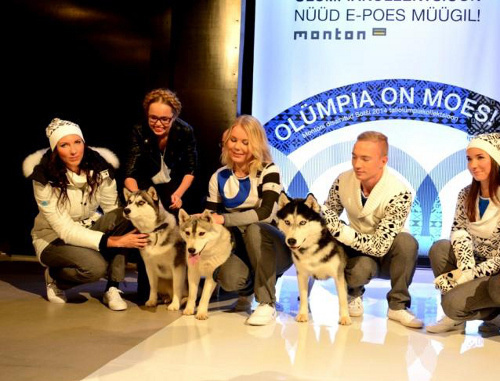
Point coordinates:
[(59, 128), (490, 143)]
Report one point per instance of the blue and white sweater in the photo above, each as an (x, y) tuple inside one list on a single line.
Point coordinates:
[(246, 200)]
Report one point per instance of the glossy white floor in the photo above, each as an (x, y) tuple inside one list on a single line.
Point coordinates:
[(372, 348)]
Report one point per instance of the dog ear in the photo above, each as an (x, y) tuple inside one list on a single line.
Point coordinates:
[(206, 215), (152, 193), (283, 200), (312, 203), (183, 216), (126, 193)]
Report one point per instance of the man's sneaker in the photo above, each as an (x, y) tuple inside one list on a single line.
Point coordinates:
[(264, 314), (113, 299), (54, 294), (446, 324), (488, 326), (405, 317), (355, 305), (244, 303)]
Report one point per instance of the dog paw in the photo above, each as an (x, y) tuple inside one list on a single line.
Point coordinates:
[(302, 318), (188, 311), (202, 316), (345, 320), (151, 303), (173, 307)]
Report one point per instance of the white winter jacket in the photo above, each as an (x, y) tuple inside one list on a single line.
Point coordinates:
[(71, 221)]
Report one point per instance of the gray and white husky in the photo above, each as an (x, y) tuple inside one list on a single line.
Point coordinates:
[(208, 245), (164, 256), (314, 250)]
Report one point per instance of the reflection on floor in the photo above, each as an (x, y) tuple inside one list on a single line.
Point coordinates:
[(372, 348)]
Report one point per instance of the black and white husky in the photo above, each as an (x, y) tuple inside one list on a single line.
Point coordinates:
[(164, 256), (314, 251), (208, 245)]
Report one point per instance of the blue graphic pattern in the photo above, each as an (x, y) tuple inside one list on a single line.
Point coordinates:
[(381, 100), (243, 191)]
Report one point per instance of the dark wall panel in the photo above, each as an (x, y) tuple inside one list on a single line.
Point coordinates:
[(92, 62)]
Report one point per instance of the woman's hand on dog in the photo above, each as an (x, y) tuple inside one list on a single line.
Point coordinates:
[(131, 240)]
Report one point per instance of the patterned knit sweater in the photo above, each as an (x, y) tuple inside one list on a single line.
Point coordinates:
[(476, 244), (372, 227)]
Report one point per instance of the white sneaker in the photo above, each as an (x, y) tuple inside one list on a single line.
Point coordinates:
[(405, 317), (446, 324), (54, 294), (244, 303), (355, 305), (488, 326), (113, 299), (264, 314)]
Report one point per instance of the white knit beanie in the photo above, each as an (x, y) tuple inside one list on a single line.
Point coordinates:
[(59, 128), (490, 143)]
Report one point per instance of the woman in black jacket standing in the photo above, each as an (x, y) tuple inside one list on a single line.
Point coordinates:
[(162, 151), (163, 154)]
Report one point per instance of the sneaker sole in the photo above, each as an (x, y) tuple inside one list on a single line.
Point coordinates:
[(356, 314), (56, 301), (459, 327), (258, 324), (409, 325), (117, 309)]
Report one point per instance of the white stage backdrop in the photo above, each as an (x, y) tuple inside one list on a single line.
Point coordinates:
[(424, 72)]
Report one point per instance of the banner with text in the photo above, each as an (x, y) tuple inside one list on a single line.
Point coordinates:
[(425, 73)]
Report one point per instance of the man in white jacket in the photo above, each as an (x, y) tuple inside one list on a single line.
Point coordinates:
[(377, 205)]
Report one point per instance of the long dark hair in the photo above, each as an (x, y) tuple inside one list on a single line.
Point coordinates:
[(475, 188), (57, 173)]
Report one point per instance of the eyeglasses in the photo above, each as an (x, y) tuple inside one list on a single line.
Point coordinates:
[(164, 120)]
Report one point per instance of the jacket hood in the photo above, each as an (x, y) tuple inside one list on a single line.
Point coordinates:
[(32, 161)]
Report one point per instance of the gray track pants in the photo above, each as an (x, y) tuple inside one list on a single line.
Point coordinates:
[(398, 265), (268, 256), (478, 299), (73, 265)]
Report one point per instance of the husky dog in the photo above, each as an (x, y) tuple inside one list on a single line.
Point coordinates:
[(314, 251), (164, 256), (208, 245)]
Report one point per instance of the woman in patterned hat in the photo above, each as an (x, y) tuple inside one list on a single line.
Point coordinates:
[(71, 183), (467, 267)]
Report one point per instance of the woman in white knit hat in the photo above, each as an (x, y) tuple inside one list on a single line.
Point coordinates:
[(72, 183), (467, 267)]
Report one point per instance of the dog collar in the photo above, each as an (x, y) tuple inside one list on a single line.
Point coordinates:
[(161, 227)]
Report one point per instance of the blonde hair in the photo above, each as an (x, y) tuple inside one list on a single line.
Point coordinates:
[(164, 96), (376, 137), (257, 143)]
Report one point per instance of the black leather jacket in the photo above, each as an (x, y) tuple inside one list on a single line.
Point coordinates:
[(143, 160)]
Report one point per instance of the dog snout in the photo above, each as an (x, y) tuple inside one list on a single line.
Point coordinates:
[(126, 211), (291, 241), (191, 250)]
